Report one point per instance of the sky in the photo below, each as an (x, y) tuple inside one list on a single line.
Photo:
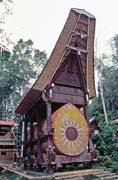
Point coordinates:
[(43, 20)]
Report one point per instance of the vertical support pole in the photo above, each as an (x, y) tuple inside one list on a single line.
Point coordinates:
[(38, 133), (84, 87), (49, 111), (102, 97), (86, 95), (86, 113), (23, 132), (39, 154), (25, 137), (31, 136), (86, 107)]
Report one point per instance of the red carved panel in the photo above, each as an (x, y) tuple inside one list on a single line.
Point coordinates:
[(64, 94), (66, 98), (68, 159), (69, 74)]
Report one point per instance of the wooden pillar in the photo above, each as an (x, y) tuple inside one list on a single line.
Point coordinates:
[(46, 98), (23, 129), (50, 166), (86, 113), (49, 112), (31, 136), (39, 154), (84, 88), (86, 95), (25, 137)]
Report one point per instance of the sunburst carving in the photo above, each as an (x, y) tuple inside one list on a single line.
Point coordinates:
[(71, 132)]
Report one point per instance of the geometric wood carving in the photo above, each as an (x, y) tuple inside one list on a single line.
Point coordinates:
[(69, 74)]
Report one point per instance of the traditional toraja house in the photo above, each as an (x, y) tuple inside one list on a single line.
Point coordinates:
[(54, 111), (7, 141)]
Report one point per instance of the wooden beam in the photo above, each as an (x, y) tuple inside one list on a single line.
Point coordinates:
[(83, 22), (76, 49), (80, 34)]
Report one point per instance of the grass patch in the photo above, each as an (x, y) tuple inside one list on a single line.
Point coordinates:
[(11, 176), (114, 167), (91, 177), (37, 174)]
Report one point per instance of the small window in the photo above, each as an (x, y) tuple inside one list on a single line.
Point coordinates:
[(3, 153)]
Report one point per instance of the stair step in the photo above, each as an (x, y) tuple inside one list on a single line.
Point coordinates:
[(81, 175), (110, 177), (95, 178), (79, 172)]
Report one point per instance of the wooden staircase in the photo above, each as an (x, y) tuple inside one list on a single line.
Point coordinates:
[(86, 175), (90, 174)]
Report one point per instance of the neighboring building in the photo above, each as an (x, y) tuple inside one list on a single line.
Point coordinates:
[(7, 141)]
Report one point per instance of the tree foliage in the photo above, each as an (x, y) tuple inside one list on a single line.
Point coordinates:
[(107, 140), (6, 10), (108, 69), (21, 68)]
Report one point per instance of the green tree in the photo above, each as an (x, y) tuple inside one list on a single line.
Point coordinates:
[(5, 12), (107, 145), (23, 66), (108, 67)]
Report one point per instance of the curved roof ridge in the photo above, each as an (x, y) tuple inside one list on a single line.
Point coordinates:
[(82, 11)]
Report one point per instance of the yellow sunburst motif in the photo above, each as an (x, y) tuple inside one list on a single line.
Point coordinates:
[(71, 132)]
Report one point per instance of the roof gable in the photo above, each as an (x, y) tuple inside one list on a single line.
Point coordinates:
[(68, 73), (77, 35)]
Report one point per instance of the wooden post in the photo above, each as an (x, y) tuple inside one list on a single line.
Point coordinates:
[(23, 129), (86, 95), (31, 136), (84, 85), (25, 143), (39, 154), (86, 113), (49, 111), (25, 137)]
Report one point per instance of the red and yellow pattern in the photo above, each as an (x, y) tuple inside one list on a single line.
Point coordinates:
[(71, 132)]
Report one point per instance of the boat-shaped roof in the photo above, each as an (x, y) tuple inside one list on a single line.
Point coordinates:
[(64, 46)]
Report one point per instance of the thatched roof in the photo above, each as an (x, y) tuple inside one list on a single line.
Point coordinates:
[(62, 48)]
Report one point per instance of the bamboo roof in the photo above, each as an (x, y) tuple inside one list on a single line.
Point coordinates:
[(64, 46)]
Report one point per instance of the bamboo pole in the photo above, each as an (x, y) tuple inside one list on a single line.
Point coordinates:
[(102, 96)]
